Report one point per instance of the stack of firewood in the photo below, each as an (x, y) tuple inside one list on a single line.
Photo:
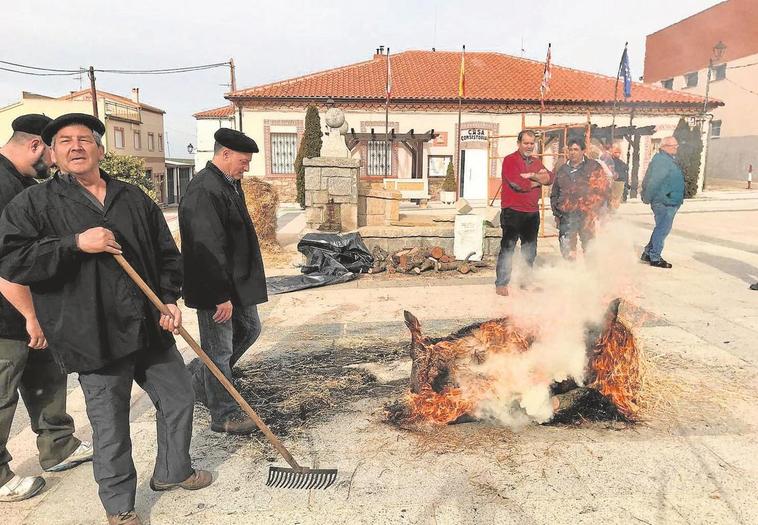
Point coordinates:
[(418, 260)]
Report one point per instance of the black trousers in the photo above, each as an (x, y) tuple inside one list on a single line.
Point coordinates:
[(35, 374), (516, 225), (107, 393)]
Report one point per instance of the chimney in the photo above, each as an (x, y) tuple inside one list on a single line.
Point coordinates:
[(135, 95)]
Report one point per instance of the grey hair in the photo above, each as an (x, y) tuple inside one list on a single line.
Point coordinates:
[(97, 136), (217, 146)]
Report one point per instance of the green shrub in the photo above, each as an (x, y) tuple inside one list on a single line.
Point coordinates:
[(310, 147)]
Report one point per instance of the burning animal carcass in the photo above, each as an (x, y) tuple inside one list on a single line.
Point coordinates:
[(498, 370)]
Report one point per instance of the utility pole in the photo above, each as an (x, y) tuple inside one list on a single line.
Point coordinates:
[(232, 73), (93, 91)]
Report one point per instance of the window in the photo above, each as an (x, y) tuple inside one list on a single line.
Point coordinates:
[(377, 164), (719, 72), (118, 138), (690, 79), (715, 129), (668, 84), (438, 165), (137, 140), (160, 142), (283, 152), (151, 142)]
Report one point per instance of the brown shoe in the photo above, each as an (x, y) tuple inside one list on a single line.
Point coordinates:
[(198, 480), (235, 425), (501, 290), (124, 518)]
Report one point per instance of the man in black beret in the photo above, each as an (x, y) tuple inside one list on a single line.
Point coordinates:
[(223, 268), (58, 238), (34, 374)]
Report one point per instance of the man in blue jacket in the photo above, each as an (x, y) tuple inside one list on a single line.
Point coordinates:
[(663, 189)]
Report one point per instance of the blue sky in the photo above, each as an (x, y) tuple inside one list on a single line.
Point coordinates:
[(272, 41)]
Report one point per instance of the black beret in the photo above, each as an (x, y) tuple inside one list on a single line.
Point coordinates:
[(32, 123), (235, 140), (68, 119)]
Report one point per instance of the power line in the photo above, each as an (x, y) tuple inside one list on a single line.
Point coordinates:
[(40, 68), (31, 73), (742, 65), (741, 87)]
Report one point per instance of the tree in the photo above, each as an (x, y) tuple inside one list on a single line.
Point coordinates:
[(689, 155), (310, 146), (130, 169), (449, 183)]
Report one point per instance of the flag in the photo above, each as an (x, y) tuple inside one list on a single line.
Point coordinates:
[(545, 85), (462, 76), (389, 76), (626, 73)]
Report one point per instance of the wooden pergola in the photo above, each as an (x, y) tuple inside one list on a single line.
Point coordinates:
[(413, 142)]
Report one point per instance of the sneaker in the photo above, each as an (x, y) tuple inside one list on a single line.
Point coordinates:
[(240, 425), (198, 480), (124, 518), (660, 264), (18, 488), (82, 454), (501, 290)]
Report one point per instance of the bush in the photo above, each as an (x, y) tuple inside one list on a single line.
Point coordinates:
[(310, 147), (130, 169), (689, 155), (449, 183)]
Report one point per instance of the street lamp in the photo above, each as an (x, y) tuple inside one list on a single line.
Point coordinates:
[(190, 148), (718, 53)]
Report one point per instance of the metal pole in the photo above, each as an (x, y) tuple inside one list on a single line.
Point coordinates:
[(458, 149), (387, 118), (706, 122), (93, 92), (233, 84)]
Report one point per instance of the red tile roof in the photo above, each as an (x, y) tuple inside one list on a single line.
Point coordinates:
[(222, 112), (433, 76), (85, 94)]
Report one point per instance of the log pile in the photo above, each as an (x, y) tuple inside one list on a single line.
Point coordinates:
[(419, 260)]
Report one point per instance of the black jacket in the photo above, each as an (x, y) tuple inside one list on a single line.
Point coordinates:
[(222, 258), (89, 309), (12, 323)]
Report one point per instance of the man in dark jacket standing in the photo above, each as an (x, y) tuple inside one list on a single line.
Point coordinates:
[(663, 189), (223, 268), (58, 238), (34, 374), (580, 191)]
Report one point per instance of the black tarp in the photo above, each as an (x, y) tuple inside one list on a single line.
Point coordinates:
[(331, 258)]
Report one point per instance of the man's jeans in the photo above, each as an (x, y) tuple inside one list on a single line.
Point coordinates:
[(224, 343), (664, 219), (516, 225)]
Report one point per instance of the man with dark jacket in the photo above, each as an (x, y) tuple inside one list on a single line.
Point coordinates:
[(523, 177), (59, 238), (580, 191), (223, 268), (663, 189), (34, 374), (622, 170)]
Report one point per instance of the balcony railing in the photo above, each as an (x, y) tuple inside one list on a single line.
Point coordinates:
[(122, 111)]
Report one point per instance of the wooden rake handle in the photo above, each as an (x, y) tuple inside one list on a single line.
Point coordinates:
[(211, 365)]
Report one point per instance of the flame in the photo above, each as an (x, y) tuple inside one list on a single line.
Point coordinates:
[(443, 407), (616, 366)]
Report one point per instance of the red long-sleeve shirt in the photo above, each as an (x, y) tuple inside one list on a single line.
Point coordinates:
[(517, 192)]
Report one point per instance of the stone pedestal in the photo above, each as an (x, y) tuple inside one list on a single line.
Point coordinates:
[(331, 182), (377, 207)]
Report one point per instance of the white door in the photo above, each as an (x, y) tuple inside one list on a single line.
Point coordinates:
[(475, 174)]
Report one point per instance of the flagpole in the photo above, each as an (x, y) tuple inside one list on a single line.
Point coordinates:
[(616, 95), (387, 117), (461, 85), (543, 84)]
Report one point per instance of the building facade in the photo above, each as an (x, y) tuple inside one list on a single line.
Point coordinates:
[(501, 97), (131, 126), (724, 39)]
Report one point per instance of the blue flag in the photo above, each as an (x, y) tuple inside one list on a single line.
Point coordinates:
[(626, 73)]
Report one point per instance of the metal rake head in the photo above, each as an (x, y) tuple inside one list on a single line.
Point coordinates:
[(288, 478)]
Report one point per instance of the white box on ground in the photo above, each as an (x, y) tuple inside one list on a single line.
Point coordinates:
[(469, 237)]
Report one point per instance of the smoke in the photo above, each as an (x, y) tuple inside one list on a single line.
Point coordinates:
[(569, 296)]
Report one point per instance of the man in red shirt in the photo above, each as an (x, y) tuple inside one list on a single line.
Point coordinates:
[(523, 178)]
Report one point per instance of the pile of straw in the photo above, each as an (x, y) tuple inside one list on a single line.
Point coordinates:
[(262, 202)]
